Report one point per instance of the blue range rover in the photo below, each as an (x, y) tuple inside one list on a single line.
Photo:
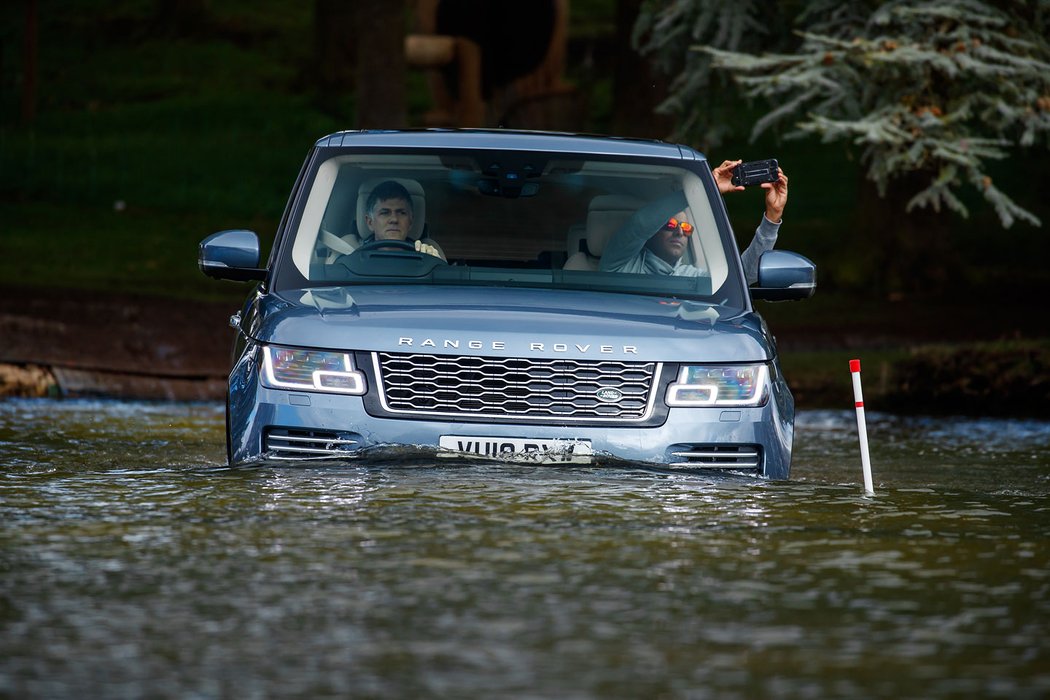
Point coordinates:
[(446, 290)]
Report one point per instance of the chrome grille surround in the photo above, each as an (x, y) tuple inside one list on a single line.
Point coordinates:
[(515, 389), (301, 443)]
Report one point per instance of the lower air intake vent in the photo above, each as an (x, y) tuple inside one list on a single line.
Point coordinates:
[(297, 443), (738, 457)]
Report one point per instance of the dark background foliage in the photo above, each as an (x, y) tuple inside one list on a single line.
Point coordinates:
[(129, 130)]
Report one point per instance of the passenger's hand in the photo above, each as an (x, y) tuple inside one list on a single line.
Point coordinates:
[(428, 249), (724, 176), (776, 197)]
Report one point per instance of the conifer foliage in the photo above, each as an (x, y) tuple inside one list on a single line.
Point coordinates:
[(932, 90), (664, 31)]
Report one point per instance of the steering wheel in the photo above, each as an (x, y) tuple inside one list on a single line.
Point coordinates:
[(368, 261), (378, 245)]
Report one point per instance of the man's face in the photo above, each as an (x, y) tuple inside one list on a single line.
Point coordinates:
[(390, 219), (667, 244)]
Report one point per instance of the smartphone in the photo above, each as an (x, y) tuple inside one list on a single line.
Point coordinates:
[(755, 172)]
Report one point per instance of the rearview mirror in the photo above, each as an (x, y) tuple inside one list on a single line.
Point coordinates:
[(510, 186)]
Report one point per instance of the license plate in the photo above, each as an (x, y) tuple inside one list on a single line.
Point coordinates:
[(520, 450)]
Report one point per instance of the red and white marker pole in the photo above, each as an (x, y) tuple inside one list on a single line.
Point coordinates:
[(862, 429)]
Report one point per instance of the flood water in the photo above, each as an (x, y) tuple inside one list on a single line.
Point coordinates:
[(133, 564)]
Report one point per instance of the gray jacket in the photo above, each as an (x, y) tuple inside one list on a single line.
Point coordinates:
[(626, 252)]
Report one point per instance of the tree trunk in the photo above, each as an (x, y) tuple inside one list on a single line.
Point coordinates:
[(182, 17), (333, 61), (29, 64), (637, 87), (379, 31)]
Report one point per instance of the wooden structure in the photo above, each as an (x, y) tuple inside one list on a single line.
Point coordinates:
[(494, 64)]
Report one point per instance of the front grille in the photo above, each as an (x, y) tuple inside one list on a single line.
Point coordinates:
[(742, 457), (297, 444), (516, 388)]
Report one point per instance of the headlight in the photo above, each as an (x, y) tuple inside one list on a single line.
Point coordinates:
[(719, 385), (311, 370)]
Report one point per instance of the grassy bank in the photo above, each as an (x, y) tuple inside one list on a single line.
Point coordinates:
[(1001, 378), (144, 143), (117, 199)]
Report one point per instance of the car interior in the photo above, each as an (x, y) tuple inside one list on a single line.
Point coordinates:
[(559, 219)]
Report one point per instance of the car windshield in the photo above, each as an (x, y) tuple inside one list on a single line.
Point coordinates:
[(506, 218)]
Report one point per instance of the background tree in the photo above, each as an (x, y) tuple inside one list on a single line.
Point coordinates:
[(381, 65), (701, 100), (181, 17), (29, 62), (931, 92), (332, 62), (638, 86), (934, 88), (360, 50)]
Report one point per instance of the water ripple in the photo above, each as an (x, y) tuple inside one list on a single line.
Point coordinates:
[(133, 563)]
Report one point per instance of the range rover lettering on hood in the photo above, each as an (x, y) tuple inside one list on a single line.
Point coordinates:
[(501, 345)]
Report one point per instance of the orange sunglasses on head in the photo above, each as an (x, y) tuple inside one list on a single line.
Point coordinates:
[(673, 223)]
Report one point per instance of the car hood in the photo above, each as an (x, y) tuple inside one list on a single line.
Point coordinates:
[(514, 322)]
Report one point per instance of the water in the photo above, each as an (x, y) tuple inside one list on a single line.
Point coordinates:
[(134, 564)]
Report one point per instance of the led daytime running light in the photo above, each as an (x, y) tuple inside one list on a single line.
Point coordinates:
[(724, 385), (311, 370)]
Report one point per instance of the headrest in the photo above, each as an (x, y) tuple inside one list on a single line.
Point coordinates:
[(577, 233), (419, 205), (605, 215)]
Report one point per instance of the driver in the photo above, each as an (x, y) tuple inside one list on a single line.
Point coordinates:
[(388, 215)]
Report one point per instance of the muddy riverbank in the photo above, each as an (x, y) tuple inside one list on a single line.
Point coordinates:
[(67, 343)]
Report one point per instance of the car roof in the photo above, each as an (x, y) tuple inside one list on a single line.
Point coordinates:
[(511, 140)]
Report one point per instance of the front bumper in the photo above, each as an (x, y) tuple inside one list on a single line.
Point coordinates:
[(268, 424)]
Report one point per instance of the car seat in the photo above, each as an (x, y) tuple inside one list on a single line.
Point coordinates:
[(605, 215), (576, 240)]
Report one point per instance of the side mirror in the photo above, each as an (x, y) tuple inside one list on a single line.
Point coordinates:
[(784, 276), (231, 255)]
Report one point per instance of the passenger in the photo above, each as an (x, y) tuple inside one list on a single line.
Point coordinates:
[(635, 248), (388, 215)]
